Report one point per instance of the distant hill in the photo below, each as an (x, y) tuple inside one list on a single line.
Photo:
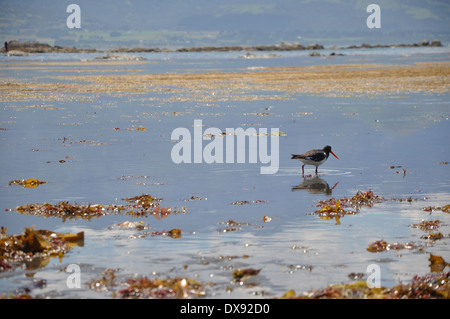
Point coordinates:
[(184, 23)]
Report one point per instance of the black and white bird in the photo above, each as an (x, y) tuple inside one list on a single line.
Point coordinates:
[(314, 157)]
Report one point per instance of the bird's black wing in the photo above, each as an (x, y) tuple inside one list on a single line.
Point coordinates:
[(317, 157)]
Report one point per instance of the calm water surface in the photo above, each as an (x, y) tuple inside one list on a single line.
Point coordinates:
[(296, 249)]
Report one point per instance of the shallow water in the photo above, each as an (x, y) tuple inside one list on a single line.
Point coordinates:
[(296, 249)]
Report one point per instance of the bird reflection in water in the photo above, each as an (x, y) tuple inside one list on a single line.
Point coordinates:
[(315, 185)]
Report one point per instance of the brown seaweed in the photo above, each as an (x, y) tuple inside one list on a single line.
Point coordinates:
[(430, 286), (35, 247)]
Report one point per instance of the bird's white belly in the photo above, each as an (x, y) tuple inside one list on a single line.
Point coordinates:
[(311, 162)]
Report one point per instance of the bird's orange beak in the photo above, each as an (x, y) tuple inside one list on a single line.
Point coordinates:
[(334, 154)]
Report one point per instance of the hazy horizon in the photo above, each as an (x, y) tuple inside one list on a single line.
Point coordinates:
[(187, 23)]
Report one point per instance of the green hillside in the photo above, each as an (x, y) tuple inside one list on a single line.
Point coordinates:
[(176, 23)]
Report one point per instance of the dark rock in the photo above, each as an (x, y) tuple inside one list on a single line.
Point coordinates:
[(425, 43), (436, 43), (30, 47), (38, 47), (314, 46)]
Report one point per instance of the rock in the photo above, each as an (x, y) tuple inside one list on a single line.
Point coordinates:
[(436, 43), (314, 53), (30, 47), (314, 46), (38, 47), (425, 43)]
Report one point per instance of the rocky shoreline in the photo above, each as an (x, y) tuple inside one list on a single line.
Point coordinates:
[(24, 48)]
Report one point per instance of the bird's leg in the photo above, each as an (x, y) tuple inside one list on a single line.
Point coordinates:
[(316, 169), (303, 169)]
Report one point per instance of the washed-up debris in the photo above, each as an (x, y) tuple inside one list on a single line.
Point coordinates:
[(157, 212), (403, 171), (337, 208), (433, 236), (145, 205), (232, 257), (437, 263), (5, 266), (367, 199), (138, 225), (427, 225), (131, 129), (158, 288), (356, 275), (27, 183), (174, 233), (430, 226), (241, 274), (267, 219), (431, 286), (232, 225), (144, 288), (293, 268), (144, 230), (141, 177), (382, 245), (144, 201), (66, 210), (192, 198), (35, 247), (335, 211), (138, 206), (23, 292), (445, 209), (247, 202), (104, 283)]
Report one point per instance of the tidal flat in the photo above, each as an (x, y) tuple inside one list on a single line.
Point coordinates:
[(86, 149)]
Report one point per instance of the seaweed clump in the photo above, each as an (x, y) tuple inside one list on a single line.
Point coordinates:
[(382, 245), (65, 210), (366, 199), (337, 208), (161, 288), (430, 286), (27, 183), (138, 206), (146, 288), (35, 247)]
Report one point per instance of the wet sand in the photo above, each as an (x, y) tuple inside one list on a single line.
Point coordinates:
[(338, 80)]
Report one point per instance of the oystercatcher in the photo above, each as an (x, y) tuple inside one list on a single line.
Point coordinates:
[(314, 157)]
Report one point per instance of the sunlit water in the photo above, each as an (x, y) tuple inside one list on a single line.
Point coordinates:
[(296, 249)]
